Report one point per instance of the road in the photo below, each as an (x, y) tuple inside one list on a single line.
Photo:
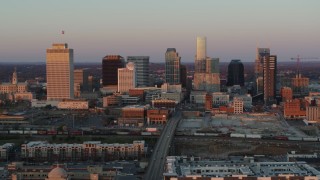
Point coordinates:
[(157, 161)]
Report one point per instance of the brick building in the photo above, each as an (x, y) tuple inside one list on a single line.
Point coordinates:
[(294, 110), (132, 116), (157, 116)]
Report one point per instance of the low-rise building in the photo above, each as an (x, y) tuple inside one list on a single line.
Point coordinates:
[(26, 96), (132, 116), (73, 104), (313, 114), (90, 150), (157, 116), (164, 103), (129, 100), (176, 96), (112, 100), (246, 99), (84, 171), (220, 99), (43, 103), (181, 167), (5, 150), (198, 97)]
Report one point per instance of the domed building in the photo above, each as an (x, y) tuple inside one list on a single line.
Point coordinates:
[(57, 173)]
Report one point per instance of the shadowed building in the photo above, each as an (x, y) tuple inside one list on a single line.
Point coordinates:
[(172, 66), (142, 69), (235, 73), (110, 66), (59, 68), (183, 76)]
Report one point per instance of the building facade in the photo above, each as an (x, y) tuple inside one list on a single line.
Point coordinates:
[(157, 116), (142, 69), (132, 116), (235, 73), (293, 110), (127, 78), (89, 150), (237, 106), (172, 66), (261, 54), (59, 69), (269, 78), (286, 94), (110, 66)]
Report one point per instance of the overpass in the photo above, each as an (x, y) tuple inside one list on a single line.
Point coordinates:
[(160, 152)]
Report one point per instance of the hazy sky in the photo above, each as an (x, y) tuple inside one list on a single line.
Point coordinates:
[(94, 28)]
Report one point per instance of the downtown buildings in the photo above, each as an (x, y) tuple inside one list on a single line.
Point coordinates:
[(206, 75), (266, 74), (60, 82)]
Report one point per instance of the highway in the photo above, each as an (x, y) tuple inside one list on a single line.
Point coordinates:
[(157, 161)]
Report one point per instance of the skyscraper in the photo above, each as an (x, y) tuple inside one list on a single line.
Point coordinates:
[(258, 68), (126, 78), (269, 78), (207, 75), (110, 66), (142, 69), (172, 66), (235, 73), (201, 56), (183, 76), (59, 72)]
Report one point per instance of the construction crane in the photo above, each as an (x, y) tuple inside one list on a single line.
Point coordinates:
[(298, 58)]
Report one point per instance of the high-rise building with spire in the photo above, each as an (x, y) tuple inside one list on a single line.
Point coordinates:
[(261, 53)]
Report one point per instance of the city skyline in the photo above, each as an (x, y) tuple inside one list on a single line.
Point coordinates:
[(143, 28)]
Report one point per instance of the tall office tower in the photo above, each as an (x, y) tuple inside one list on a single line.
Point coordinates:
[(207, 75), (235, 73), (201, 56), (269, 78), (81, 78), (60, 72), (258, 68), (110, 66), (142, 69), (172, 66), (126, 78), (183, 76)]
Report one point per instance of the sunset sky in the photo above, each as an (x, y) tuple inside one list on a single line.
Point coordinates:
[(96, 28)]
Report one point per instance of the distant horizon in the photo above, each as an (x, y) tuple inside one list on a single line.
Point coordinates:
[(234, 29), (38, 62)]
